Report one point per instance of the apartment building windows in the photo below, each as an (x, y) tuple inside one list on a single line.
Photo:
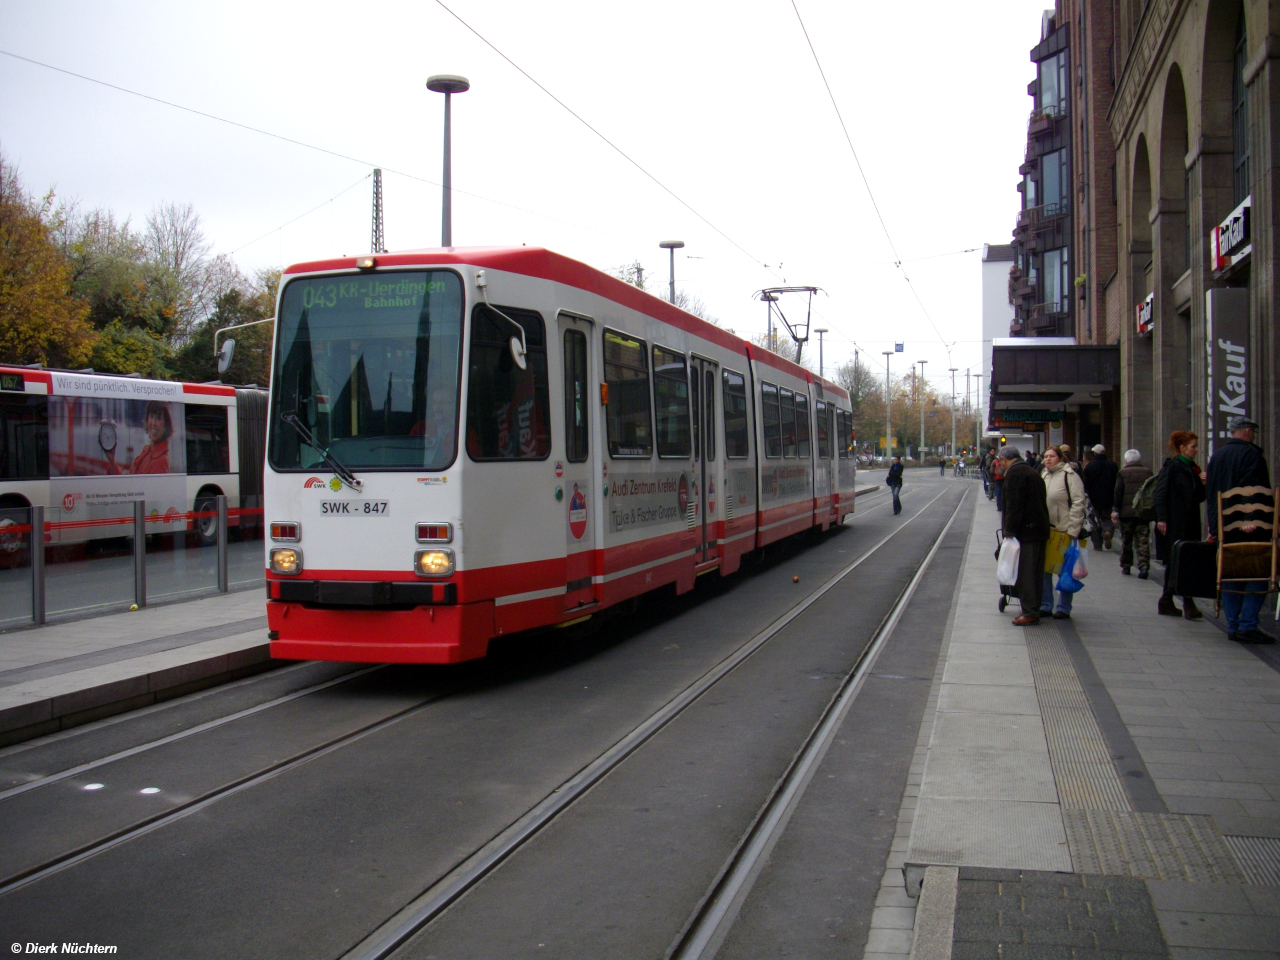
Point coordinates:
[(1055, 87), (1057, 284), (1055, 190)]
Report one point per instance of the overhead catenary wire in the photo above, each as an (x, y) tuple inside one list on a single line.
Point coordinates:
[(622, 153), (287, 223), (290, 140), (898, 261)]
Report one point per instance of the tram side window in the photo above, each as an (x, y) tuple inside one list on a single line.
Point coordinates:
[(626, 375), (788, 399), (803, 449), (575, 395), (842, 433), (834, 442), (824, 442), (671, 397), (208, 445), (772, 420), (709, 416), (508, 414), (736, 432), (24, 437)]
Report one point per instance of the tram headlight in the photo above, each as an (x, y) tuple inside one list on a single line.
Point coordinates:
[(433, 563), (287, 561)]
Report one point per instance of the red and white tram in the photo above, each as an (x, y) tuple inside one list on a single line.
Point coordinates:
[(467, 443)]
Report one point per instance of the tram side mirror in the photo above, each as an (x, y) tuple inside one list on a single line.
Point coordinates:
[(224, 356), (517, 353)]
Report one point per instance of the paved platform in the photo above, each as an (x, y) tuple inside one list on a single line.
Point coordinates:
[(68, 673), (1106, 786)]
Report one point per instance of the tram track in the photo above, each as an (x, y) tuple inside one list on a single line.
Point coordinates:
[(384, 941), (487, 857)]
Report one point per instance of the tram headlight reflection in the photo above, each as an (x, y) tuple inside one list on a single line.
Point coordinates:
[(286, 560), (433, 563)]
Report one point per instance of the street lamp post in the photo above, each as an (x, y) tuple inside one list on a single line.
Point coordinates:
[(888, 434), (922, 388), (977, 415), (820, 331), (672, 246), (448, 84), (953, 410)]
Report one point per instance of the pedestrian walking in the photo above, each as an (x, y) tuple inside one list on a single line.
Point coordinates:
[(1025, 516), (895, 484), (997, 482), (1065, 452), (1179, 493), (942, 466), (1099, 477), (988, 472), (1135, 533), (1064, 498), (1239, 463)]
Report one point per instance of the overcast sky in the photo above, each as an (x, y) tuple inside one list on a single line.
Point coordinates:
[(721, 102)]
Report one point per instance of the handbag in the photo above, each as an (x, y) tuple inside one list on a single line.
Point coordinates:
[(1007, 567), (1067, 583), (1055, 551)]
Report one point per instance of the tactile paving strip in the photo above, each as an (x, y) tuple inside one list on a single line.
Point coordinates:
[(1153, 846), (1259, 857), (1086, 777)]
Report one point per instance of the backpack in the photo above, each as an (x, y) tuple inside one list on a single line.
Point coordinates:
[(1144, 501)]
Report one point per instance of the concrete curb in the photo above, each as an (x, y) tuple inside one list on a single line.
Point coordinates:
[(936, 914), (44, 714)]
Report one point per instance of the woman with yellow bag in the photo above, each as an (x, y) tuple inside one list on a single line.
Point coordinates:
[(1064, 494)]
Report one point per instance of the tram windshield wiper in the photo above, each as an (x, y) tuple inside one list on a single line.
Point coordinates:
[(343, 474)]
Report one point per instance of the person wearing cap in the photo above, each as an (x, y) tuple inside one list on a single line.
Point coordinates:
[(1239, 463), (1025, 516), (1135, 533), (1099, 477)]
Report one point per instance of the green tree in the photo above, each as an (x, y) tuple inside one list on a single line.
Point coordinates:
[(243, 302), (40, 322)]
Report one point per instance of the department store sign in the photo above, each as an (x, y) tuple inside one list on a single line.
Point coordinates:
[(1232, 241), (1146, 315), (1230, 380)]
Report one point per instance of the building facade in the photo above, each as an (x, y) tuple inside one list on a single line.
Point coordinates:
[(1163, 244)]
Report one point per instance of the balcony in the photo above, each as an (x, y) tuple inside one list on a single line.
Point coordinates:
[(1023, 287), (1042, 119), (1052, 316)]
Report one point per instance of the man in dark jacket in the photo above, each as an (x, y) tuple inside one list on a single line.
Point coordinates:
[(1135, 533), (1238, 463), (1099, 487), (895, 484), (1026, 516)]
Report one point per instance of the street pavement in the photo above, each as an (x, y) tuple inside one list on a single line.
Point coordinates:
[(1107, 785)]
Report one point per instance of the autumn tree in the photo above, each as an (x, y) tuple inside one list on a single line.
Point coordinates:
[(242, 302), (40, 322)]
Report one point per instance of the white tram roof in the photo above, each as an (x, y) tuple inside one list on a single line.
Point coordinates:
[(548, 265)]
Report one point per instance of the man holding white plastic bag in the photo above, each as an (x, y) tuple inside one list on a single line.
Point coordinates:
[(1026, 518)]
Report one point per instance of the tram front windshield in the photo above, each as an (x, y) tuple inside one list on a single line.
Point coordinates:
[(368, 366)]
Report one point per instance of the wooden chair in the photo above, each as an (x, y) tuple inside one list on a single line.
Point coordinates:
[(1252, 560)]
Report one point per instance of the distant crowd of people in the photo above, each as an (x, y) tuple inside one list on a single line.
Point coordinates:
[(1049, 502)]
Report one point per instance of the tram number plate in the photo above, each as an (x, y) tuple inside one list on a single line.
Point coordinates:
[(354, 508)]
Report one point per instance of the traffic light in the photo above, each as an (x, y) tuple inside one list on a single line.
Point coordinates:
[(1003, 441)]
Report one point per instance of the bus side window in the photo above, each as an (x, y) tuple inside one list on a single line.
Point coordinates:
[(575, 396), (508, 413), (208, 445), (24, 437), (772, 420), (736, 431), (626, 417)]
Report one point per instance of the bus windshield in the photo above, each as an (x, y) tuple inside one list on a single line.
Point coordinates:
[(369, 365)]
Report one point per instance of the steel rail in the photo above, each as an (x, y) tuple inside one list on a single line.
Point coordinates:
[(424, 908), (195, 804), (710, 923), (182, 734)]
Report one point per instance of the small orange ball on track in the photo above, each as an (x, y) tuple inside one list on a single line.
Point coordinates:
[(795, 579)]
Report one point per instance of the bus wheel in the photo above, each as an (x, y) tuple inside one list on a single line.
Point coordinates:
[(206, 527)]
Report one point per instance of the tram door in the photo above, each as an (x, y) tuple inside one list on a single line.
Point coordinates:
[(579, 496), (702, 403)]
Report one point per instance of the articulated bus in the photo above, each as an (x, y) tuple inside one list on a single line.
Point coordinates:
[(87, 445), (468, 443)]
